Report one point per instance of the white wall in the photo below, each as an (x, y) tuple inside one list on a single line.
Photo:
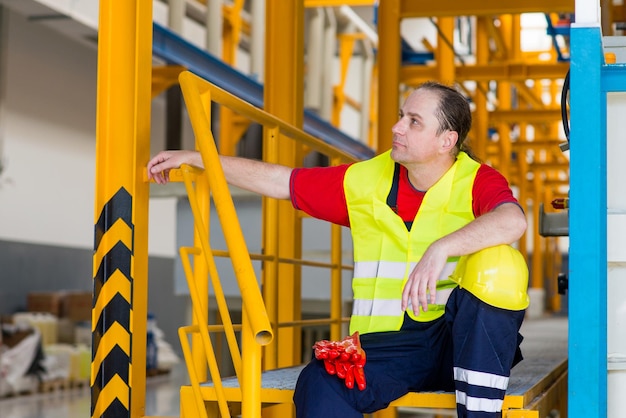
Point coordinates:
[(616, 251), (47, 137), (48, 142)]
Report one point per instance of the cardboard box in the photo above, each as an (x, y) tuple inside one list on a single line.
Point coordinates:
[(50, 302), (78, 305), (65, 331), (13, 337)]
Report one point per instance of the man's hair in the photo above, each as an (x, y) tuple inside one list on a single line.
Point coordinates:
[(453, 112)]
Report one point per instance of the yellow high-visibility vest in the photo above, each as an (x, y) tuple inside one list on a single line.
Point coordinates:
[(385, 252)]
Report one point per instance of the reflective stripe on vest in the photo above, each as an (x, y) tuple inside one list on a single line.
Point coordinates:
[(388, 304), (385, 252)]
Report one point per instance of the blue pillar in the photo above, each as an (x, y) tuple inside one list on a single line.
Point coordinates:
[(587, 227)]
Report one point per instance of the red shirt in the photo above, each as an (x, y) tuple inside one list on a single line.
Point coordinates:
[(319, 192)]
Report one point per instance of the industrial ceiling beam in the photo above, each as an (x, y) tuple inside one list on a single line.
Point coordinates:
[(415, 74), (428, 8), (530, 116), (337, 3)]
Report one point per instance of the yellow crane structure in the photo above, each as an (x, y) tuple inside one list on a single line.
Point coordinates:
[(516, 129)]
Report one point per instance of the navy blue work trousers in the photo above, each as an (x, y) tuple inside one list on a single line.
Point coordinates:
[(470, 351)]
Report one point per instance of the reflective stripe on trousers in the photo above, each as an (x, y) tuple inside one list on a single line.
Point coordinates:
[(486, 346)]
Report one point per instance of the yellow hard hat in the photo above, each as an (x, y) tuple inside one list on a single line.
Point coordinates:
[(496, 275)]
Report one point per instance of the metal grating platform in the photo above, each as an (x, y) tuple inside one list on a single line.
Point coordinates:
[(282, 379), (544, 349)]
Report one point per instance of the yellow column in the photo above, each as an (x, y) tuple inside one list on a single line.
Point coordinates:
[(388, 70), (537, 265), (232, 126), (481, 116), (504, 159), (445, 53), (516, 38), (524, 186), (284, 98), (120, 261), (504, 103)]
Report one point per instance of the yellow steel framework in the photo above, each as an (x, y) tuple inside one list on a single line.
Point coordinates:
[(517, 134), (123, 131), (232, 125), (504, 64)]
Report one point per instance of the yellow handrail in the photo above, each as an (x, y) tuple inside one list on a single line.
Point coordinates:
[(197, 86), (213, 274), (224, 205), (255, 329)]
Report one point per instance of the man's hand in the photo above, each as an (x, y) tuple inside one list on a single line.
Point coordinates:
[(343, 358), (160, 165), (421, 287)]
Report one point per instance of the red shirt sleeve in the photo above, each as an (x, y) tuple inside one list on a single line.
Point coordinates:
[(318, 191), (490, 190)]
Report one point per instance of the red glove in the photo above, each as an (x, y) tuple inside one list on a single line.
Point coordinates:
[(344, 358)]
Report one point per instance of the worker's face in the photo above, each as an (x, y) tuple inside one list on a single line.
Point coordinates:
[(415, 138)]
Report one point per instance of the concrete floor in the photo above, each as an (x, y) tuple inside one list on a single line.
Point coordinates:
[(162, 398)]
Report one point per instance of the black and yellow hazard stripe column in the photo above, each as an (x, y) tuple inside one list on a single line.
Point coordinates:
[(120, 263)]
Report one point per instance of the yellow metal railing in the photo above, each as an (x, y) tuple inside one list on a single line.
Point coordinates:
[(256, 328)]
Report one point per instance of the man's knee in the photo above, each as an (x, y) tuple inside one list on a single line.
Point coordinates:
[(318, 394), (318, 390)]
